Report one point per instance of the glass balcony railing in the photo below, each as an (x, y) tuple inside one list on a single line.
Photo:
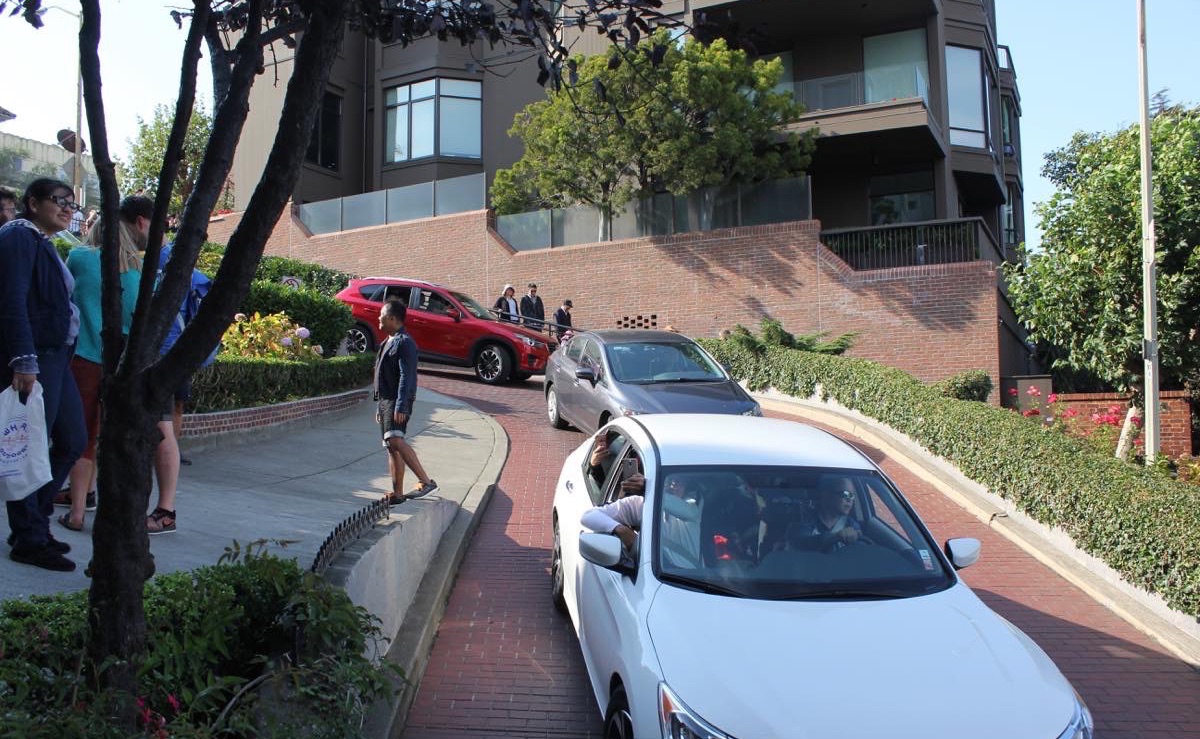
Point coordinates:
[(877, 85), (424, 200)]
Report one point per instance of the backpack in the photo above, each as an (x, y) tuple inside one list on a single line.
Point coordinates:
[(201, 284)]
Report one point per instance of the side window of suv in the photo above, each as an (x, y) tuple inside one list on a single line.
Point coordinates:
[(374, 293), (432, 302), (396, 292)]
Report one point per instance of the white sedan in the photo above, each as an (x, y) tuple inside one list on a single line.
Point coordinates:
[(780, 586)]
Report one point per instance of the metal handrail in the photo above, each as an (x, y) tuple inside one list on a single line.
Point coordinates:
[(914, 244)]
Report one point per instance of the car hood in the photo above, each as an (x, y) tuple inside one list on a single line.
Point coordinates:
[(934, 666), (686, 397)]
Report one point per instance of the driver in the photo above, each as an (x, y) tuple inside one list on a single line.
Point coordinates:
[(831, 526)]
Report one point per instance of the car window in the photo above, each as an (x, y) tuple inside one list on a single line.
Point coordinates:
[(433, 302), (396, 292), (591, 357), (791, 533), (374, 293), (473, 307), (575, 349), (642, 363), (598, 479)]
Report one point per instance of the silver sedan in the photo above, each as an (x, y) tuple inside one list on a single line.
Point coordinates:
[(599, 375)]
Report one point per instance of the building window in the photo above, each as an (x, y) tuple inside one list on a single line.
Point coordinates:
[(1010, 218), (438, 116), (895, 66), (325, 144), (965, 87), (902, 198), (1006, 124)]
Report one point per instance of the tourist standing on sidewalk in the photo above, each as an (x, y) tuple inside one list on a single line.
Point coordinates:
[(532, 310), (396, 390), (88, 365), (38, 326), (506, 306)]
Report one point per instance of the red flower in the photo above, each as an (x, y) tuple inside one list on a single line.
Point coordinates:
[(1031, 412), (1013, 392), (1052, 398)]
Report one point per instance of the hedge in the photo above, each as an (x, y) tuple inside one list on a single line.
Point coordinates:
[(1141, 522), (326, 318), (969, 385), (239, 382), (324, 280)]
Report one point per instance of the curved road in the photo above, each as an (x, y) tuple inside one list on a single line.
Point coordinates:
[(506, 665)]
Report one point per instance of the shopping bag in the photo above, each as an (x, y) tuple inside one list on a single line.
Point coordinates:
[(24, 448)]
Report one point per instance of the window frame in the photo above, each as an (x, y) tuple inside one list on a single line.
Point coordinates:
[(315, 153), (403, 106)]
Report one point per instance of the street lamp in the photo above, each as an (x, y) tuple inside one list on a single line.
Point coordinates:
[(1149, 268), (77, 176)]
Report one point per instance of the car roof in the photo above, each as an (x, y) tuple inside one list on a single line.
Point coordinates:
[(705, 439), (400, 279), (620, 335)]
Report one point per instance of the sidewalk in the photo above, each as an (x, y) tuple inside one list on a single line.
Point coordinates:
[(290, 482)]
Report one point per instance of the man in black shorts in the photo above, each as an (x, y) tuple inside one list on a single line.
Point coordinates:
[(396, 389)]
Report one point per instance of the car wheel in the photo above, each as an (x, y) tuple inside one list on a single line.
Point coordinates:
[(618, 722), (552, 409), (493, 364), (556, 574), (359, 339)]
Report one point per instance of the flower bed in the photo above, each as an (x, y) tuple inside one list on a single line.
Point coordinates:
[(1141, 522), (244, 382)]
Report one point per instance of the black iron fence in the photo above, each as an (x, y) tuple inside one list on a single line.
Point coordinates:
[(913, 244)]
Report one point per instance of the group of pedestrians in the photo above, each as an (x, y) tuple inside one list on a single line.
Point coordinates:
[(531, 312), (50, 322)]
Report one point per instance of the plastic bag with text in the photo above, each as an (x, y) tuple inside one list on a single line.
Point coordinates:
[(24, 448)]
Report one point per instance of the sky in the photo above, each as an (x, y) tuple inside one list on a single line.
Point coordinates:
[(1076, 64)]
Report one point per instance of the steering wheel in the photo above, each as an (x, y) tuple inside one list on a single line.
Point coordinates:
[(833, 545)]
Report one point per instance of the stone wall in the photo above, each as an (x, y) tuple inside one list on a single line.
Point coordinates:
[(1175, 417), (932, 321)]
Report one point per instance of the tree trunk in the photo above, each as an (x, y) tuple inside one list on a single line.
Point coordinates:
[(1128, 430), (121, 561)]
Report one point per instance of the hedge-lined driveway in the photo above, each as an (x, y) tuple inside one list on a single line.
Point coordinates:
[(505, 664)]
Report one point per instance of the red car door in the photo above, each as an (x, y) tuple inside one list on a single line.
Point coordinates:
[(436, 332)]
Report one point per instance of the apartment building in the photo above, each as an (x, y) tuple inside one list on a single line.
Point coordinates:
[(916, 103)]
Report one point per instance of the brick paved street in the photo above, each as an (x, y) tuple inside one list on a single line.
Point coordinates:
[(506, 665)]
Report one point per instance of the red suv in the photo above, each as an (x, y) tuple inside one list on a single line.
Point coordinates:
[(449, 328)]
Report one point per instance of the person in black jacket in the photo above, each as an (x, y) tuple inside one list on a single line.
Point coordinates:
[(396, 389), (505, 306), (562, 318), (38, 327), (532, 310)]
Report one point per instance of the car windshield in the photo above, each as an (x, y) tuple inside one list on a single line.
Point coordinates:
[(644, 363), (784, 533), (473, 308)]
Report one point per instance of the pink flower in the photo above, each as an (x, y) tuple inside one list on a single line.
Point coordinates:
[(174, 702), (1013, 392), (1052, 398), (1031, 412), (1137, 421), (1070, 413)]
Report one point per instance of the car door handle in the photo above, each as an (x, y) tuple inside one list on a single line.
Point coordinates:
[(570, 486)]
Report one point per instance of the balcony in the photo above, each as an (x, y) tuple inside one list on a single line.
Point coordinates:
[(884, 85), (914, 244)]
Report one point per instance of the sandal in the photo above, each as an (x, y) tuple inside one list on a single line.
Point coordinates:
[(65, 520), (160, 521)]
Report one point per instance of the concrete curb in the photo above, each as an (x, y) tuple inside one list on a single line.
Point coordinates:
[(224, 439), (412, 644), (1175, 631)]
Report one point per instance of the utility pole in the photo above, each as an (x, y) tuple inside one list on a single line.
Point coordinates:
[(1149, 271)]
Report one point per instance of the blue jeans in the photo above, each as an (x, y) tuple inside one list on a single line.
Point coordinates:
[(29, 519)]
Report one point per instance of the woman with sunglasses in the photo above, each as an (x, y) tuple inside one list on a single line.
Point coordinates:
[(38, 328)]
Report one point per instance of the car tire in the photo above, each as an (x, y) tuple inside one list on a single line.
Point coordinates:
[(359, 339), (557, 581), (618, 722), (552, 409), (493, 364)]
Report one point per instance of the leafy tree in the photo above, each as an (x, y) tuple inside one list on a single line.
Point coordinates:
[(141, 170), (661, 116), (1082, 293), (138, 382)]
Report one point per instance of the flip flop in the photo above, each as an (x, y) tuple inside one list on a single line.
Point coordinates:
[(65, 520)]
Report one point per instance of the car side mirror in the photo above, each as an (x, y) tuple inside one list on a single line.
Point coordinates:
[(454, 313), (586, 373), (962, 552), (604, 550)]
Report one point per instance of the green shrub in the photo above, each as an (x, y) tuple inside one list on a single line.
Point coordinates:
[(772, 333), (327, 319), (274, 336), (274, 647), (1140, 522), (239, 382), (324, 280), (969, 385)]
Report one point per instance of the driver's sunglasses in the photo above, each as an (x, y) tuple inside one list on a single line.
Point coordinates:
[(845, 495), (62, 202)]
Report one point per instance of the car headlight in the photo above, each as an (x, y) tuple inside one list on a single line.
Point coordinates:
[(755, 411), (534, 343), (678, 721), (1081, 722)]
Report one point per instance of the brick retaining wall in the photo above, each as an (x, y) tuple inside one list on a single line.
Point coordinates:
[(220, 422), (932, 321), (1175, 418)]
